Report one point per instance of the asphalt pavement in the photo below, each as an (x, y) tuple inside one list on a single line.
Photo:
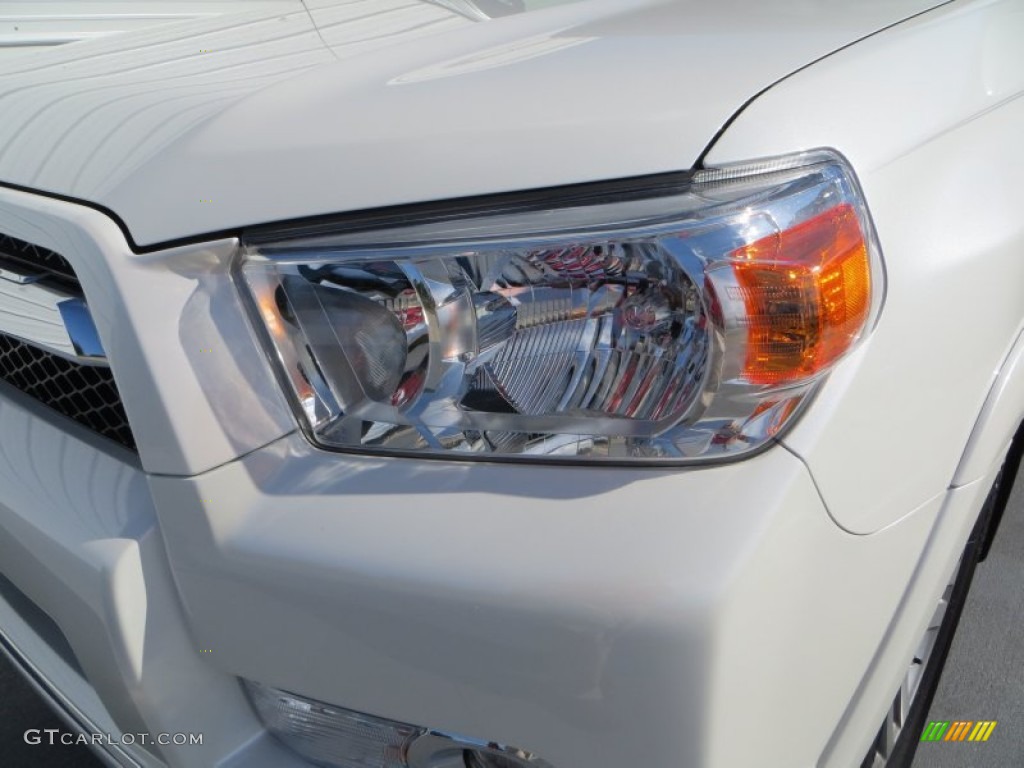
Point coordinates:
[(984, 675), (983, 680), (21, 710)]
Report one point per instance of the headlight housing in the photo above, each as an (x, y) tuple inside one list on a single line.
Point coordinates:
[(684, 322)]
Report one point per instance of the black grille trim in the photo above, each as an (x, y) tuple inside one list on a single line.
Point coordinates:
[(35, 256), (84, 393)]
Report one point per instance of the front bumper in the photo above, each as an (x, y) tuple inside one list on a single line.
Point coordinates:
[(79, 542), (598, 618)]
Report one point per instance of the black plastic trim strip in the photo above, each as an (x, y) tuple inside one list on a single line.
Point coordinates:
[(110, 214), (543, 198)]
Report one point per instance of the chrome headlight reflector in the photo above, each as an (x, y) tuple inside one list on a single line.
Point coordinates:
[(686, 324)]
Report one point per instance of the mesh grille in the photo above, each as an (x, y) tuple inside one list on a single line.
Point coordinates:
[(85, 393)]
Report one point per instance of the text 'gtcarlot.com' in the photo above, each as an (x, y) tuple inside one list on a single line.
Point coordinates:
[(53, 736)]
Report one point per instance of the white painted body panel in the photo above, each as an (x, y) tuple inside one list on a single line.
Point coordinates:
[(930, 115), (538, 606), (156, 315), (256, 114), (79, 538), (30, 26), (601, 618)]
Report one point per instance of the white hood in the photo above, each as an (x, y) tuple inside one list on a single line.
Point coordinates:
[(283, 110)]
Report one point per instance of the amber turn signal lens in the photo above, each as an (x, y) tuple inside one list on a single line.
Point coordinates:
[(807, 292)]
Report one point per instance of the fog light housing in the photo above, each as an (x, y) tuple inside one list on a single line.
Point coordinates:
[(331, 736), (443, 750), (335, 737), (477, 759)]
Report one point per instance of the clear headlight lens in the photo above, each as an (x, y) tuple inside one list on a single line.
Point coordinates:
[(682, 324)]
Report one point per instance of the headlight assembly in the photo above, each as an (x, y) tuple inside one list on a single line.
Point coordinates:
[(678, 324)]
